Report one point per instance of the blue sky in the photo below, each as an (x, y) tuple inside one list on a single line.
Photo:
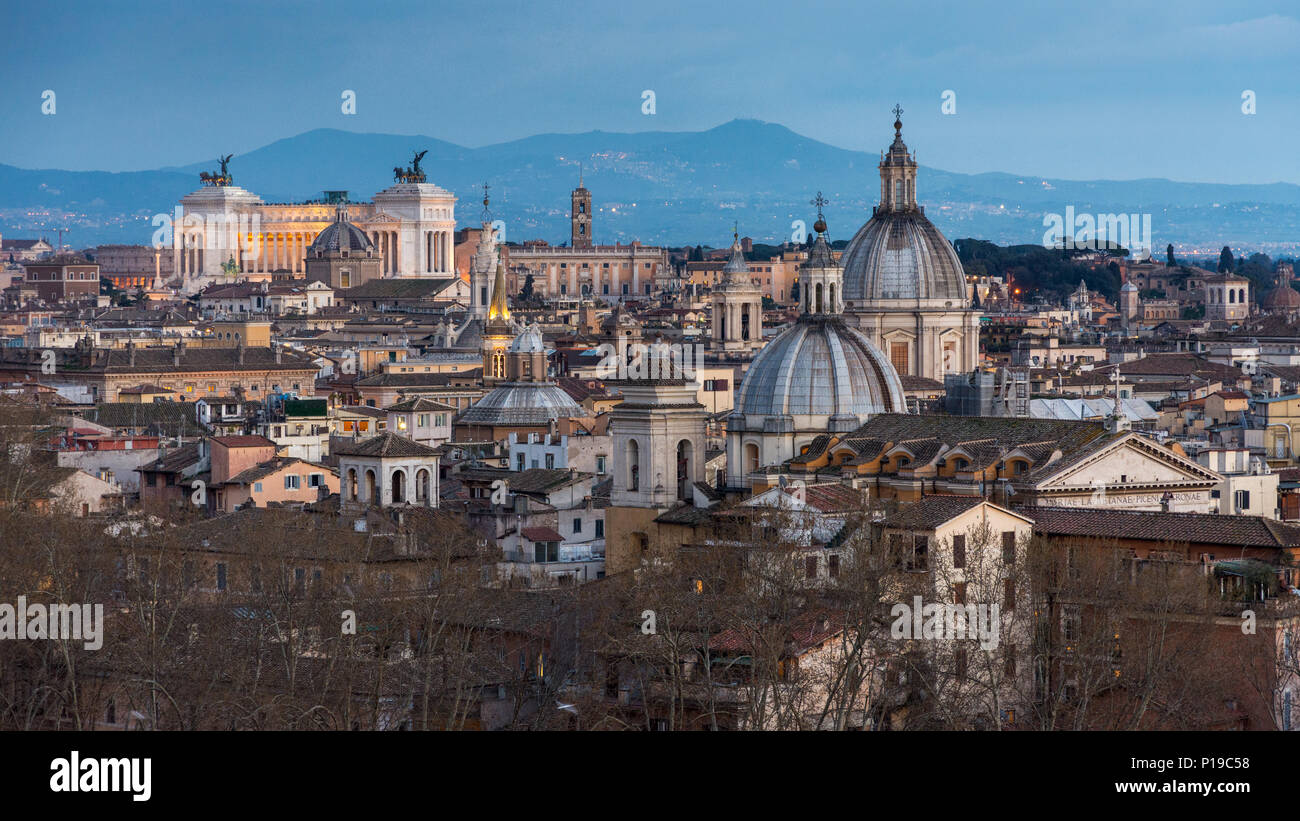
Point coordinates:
[(1105, 89)]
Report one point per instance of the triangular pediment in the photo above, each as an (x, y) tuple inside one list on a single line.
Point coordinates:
[(1130, 461)]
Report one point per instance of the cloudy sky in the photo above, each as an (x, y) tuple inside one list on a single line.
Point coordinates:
[(1115, 89)]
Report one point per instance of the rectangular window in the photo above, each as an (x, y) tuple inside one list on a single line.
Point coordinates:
[(959, 550), (316, 480), (1009, 547), (1009, 660), (1008, 594), (550, 461), (1070, 624), (257, 487), (577, 525), (920, 551), (221, 575), (810, 567), (833, 566), (959, 592), (959, 663), (600, 528), (898, 356), (292, 481), (600, 465)]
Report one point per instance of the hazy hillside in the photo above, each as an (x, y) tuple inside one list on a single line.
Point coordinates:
[(670, 187)]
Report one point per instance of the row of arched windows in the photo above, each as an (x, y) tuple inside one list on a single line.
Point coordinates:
[(355, 484), (1236, 296)]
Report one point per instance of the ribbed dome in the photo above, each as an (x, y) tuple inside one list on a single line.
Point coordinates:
[(901, 255), (1281, 298), (820, 366), (522, 403), (528, 341), (341, 235)]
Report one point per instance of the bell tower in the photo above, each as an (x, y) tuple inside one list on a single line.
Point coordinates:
[(737, 307), (658, 434), (580, 217), (498, 331)]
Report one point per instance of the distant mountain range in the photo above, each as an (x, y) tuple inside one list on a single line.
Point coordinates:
[(674, 188)]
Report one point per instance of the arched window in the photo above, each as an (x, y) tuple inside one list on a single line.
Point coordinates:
[(751, 457), (1232, 296), (684, 455), (422, 486), (818, 301), (398, 480), (352, 484), (370, 487), (898, 192)]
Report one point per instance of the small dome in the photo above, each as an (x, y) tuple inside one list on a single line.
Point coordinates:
[(341, 235), (820, 366), (522, 403), (736, 265), (1129, 287), (1281, 298), (528, 341), (820, 256)]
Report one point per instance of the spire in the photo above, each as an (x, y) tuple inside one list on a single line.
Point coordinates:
[(1118, 422), (499, 309), (736, 265), (898, 172)]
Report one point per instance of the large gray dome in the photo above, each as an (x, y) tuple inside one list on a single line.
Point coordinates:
[(820, 366), (901, 255)]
